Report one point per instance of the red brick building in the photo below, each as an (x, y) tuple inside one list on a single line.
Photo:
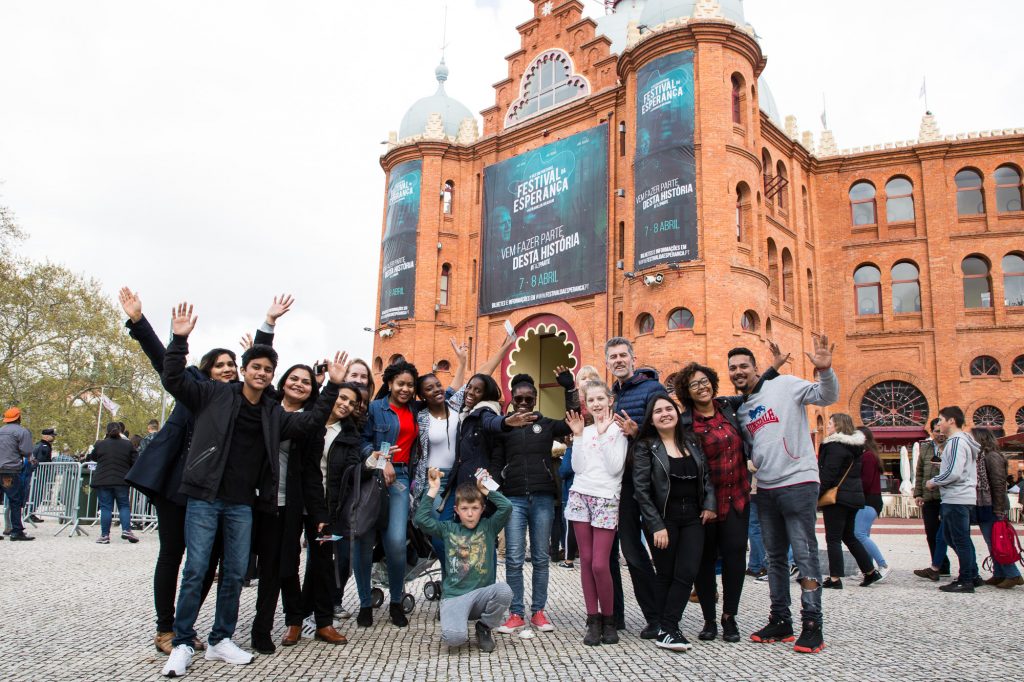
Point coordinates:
[(910, 255)]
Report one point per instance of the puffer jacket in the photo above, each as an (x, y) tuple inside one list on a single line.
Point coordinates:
[(113, 457), (926, 470), (838, 453), (652, 483), (633, 394), (522, 463), (477, 432)]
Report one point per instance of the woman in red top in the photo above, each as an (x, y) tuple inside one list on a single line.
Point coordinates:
[(715, 423)]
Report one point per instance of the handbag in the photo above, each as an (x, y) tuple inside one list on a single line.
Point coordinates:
[(1006, 547), (362, 509), (828, 498)]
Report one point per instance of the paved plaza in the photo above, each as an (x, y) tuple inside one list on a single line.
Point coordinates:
[(75, 610)]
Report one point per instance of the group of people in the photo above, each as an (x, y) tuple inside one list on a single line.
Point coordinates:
[(18, 460)]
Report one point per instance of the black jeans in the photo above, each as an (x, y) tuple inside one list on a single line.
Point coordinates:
[(725, 538), (341, 570), (171, 532), (269, 536), (641, 571), (932, 515), (839, 527), (677, 564), (316, 595)]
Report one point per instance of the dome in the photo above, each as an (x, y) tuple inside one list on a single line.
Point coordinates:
[(452, 111), (767, 102), (659, 11)]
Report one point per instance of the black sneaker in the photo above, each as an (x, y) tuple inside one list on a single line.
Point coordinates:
[(958, 587), (365, 617), (871, 578), (397, 614), (730, 632), (830, 584), (811, 639), (673, 640), (651, 631), (34, 519), (484, 640), (21, 537), (978, 582), (777, 630), (709, 632), (263, 644)]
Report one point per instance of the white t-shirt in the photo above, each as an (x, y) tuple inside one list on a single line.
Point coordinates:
[(282, 481), (442, 436), (332, 432)]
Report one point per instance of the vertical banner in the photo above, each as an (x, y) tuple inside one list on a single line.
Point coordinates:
[(664, 169), (398, 277), (546, 224)]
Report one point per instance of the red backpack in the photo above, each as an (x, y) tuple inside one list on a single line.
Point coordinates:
[(1006, 547)]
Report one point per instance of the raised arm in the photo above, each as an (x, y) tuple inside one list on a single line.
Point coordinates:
[(265, 333), (493, 362), (825, 391), (424, 518), (176, 380), (140, 329), (300, 424), (461, 351)]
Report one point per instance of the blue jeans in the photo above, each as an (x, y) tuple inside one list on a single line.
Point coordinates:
[(756, 561), (787, 517), (535, 512), (14, 497), (106, 495), (862, 531), (998, 570), (201, 522), (939, 556), (446, 513), (956, 524), (395, 539)]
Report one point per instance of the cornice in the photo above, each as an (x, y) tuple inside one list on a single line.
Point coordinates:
[(687, 35)]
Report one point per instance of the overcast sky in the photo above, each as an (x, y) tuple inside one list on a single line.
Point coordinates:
[(227, 151)]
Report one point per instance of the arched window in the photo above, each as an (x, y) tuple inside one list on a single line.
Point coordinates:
[(378, 365), (644, 323), (1019, 418), (906, 289), (442, 366), (742, 207), (773, 269), (780, 198), (810, 298), (395, 359), (447, 196), (737, 99), (1013, 279), (547, 83), (899, 200), (1008, 190), (768, 328), (1018, 366), (680, 318), (446, 271), (806, 206), (862, 203), (619, 327), (787, 276), (766, 168), (868, 289), (749, 321), (989, 417), (969, 198), (985, 366), (977, 285), (893, 403)]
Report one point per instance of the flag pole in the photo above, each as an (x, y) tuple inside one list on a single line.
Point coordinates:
[(99, 413)]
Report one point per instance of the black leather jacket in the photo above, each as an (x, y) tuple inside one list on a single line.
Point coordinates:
[(651, 479)]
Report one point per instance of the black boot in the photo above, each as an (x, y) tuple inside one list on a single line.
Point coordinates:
[(398, 615), (262, 643), (484, 640), (730, 633), (365, 617), (609, 635), (593, 636), (709, 632)]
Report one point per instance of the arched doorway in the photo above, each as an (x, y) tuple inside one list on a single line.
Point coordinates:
[(543, 342)]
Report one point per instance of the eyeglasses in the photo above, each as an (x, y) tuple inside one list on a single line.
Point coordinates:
[(523, 399), (701, 383)]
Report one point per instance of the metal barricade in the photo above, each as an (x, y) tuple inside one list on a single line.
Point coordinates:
[(143, 512), (55, 493)]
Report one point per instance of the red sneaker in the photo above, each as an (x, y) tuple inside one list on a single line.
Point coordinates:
[(513, 623), (541, 622)]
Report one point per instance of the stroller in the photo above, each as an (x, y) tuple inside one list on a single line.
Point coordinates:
[(420, 561)]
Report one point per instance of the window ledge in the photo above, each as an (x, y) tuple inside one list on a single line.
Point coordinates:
[(973, 218), (907, 316), (743, 246), (902, 223), (1010, 215), (739, 129), (979, 312), (869, 316), (864, 227)]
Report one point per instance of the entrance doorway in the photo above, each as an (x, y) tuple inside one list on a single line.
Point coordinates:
[(543, 343)]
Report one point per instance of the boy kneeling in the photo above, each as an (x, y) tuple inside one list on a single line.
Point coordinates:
[(469, 591)]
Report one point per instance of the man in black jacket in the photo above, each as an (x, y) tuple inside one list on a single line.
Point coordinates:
[(232, 465)]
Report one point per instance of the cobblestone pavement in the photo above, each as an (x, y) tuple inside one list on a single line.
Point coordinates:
[(75, 610)]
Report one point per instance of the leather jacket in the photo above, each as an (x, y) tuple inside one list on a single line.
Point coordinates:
[(651, 479)]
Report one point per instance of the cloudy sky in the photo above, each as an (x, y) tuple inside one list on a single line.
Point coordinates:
[(227, 151)]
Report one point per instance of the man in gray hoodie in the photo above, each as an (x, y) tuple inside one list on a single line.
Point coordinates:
[(957, 482), (774, 420)]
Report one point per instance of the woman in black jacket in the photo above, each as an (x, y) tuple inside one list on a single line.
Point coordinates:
[(676, 498), (113, 455), (839, 464)]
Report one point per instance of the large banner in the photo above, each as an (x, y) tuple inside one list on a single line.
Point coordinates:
[(664, 170), (398, 278), (546, 224)]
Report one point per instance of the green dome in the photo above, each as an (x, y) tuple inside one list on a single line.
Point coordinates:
[(452, 111)]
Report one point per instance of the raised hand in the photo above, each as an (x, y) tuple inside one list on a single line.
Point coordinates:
[(626, 423), (821, 358), (130, 304), (279, 307), (182, 320), (778, 358), (563, 375), (336, 368), (517, 419), (509, 340), (320, 375), (461, 350), (246, 341), (434, 479), (575, 422)]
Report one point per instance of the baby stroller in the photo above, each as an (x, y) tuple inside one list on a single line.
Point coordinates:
[(419, 562)]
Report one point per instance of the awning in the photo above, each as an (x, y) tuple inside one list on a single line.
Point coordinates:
[(899, 435), (1014, 443)]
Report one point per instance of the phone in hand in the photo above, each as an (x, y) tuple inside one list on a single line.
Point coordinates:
[(320, 368), (484, 477), (385, 450), (509, 329)]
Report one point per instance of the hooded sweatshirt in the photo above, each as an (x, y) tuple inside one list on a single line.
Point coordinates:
[(958, 474), (775, 425)]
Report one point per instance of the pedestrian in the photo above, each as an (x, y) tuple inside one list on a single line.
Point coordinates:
[(593, 505), (839, 467), (114, 456), (993, 503), (43, 451), (566, 476), (774, 419), (871, 480), (928, 500), (15, 450), (152, 428), (957, 482)]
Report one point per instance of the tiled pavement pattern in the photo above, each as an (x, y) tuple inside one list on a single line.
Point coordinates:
[(75, 610)]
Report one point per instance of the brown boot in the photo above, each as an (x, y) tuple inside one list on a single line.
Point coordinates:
[(162, 642), (292, 635), (198, 644), (330, 635)]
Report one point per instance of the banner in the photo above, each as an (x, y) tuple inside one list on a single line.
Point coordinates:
[(398, 276), (546, 224), (664, 169)]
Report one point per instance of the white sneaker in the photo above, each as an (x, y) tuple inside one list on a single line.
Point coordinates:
[(885, 572), (227, 651), (308, 626), (178, 662)]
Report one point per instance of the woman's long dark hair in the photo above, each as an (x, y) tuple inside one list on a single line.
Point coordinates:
[(392, 371), (871, 445), (314, 391), (113, 430), (210, 359), (650, 431)]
